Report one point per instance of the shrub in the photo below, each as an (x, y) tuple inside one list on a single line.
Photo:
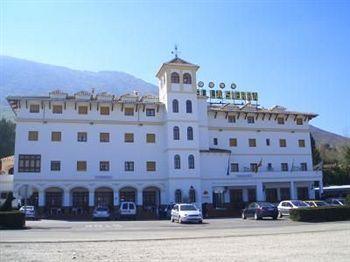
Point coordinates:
[(321, 214), (12, 219), (347, 200)]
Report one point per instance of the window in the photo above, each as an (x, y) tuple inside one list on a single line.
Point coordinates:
[(57, 109), (280, 120), (178, 196), (34, 108), (104, 137), (129, 111), (177, 162), (231, 119), (299, 121), (33, 135), (254, 167), (301, 143), (252, 142), (188, 106), (150, 112), (233, 141), (82, 137), (284, 166), (250, 119), (190, 162), (176, 133), (192, 195), (104, 110), (189, 133), (150, 138), (283, 143), (175, 78), (104, 165), (151, 166), (269, 167), (218, 199), (82, 110), (29, 163), (56, 136), (234, 167), (55, 165), (187, 78), (175, 106), (268, 141), (215, 141), (81, 166), (129, 138), (129, 165), (303, 166)]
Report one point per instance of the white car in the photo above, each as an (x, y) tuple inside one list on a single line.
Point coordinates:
[(101, 213), (285, 206), (29, 211), (186, 213), (127, 209)]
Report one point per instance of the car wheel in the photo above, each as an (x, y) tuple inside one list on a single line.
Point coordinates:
[(200, 222), (256, 217), (180, 220), (280, 214), (172, 220), (274, 218), (244, 216)]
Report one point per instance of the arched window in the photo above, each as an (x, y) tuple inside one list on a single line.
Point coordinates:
[(175, 106), (175, 78), (177, 162), (192, 195), (188, 106), (190, 162), (178, 196), (187, 78), (189, 133), (176, 133)]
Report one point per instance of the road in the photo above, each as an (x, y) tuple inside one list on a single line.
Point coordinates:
[(219, 239)]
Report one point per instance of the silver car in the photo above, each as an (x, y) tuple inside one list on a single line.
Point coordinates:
[(183, 213), (101, 213)]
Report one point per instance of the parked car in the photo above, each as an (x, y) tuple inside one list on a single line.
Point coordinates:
[(259, 210), (336, 201), (186, 213), (29, 211), (285, 206), (127, 210), (316, 203), (101, 213)]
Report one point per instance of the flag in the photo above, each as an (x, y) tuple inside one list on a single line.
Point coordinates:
[(259, 165), (228, 166), (292, 166), (319, 166)]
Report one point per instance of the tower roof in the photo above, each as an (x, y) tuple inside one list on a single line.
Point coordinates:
[(176, 61)]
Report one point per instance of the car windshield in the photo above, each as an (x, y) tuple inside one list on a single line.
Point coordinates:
[(265, 204), (101, 209), (299, 203), (187, 207)]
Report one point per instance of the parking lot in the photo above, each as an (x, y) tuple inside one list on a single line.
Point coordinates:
[(220, 239)]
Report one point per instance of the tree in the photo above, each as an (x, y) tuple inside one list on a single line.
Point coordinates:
[(7, 137), (316, 157)]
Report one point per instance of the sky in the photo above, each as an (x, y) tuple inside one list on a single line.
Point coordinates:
[(293, 53)]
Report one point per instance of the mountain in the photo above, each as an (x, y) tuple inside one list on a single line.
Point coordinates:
[(23, 77), (323, 137)]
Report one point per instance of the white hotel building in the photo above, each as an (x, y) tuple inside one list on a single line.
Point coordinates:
[(82, 150)]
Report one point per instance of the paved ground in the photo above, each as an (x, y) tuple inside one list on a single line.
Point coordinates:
[(219, 239)]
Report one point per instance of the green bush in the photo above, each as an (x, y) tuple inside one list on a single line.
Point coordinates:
[(321, 214), (12, 219), (347, 200)]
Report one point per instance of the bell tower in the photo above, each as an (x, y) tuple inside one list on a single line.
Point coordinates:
[(178, 92)]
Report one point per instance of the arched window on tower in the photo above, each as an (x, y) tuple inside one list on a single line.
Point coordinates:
[(187, 78), (176, 133), (189, 133), (190, 162), (175, 78), (188, 106), (177, 162), (192, 195), (178, 196), (175, 106)]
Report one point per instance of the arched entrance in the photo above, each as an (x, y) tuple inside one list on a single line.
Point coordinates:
[(151, 202), (80, 201), (127, 194), (53, 200), (104, 197)]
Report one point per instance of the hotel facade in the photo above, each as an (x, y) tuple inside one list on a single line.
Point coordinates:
[(79, 151)]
